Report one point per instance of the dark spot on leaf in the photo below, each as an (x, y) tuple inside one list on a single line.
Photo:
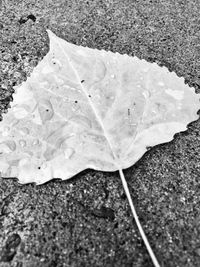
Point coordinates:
[(76, 101), (47, 110), (82, 81), (89, 95), (39, 168)]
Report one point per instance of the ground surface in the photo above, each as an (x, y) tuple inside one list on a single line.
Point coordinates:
[(86, 221)]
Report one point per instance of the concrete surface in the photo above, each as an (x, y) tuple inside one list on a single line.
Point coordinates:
[(86, 221)]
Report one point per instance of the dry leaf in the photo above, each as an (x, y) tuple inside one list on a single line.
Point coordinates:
[(84, 108)]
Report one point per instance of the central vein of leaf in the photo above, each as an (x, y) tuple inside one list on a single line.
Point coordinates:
[(116, 161)]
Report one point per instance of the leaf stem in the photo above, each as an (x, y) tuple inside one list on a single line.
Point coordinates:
[(146, 242)]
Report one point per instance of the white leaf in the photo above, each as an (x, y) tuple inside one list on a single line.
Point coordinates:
[(91, 109), (85, 108)]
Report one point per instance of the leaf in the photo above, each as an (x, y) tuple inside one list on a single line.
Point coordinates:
[(84, 108)]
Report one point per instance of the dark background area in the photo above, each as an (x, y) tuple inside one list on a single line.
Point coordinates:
[(86, 221)]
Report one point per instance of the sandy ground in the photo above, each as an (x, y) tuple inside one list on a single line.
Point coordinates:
[(86, 221)]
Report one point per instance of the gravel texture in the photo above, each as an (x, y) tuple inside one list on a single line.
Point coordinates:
[(86, 221)]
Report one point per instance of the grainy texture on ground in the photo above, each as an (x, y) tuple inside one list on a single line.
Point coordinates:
[(86, 221)]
